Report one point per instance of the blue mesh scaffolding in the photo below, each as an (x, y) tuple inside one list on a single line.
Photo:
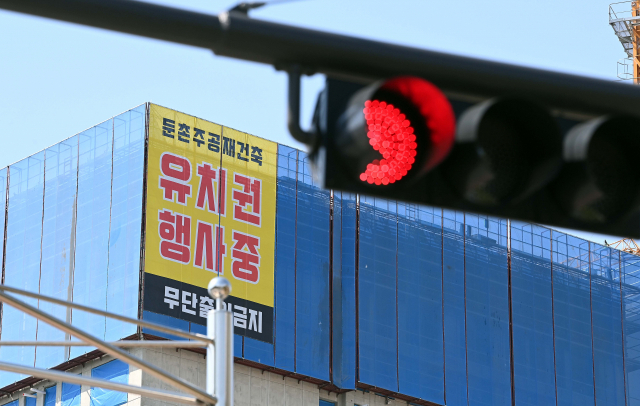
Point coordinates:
[(421, 303)]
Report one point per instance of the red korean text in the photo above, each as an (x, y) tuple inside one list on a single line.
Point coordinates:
[(175, 236), (211, 189), (247, 201), (176, 174), (210, 249), (245, 263)]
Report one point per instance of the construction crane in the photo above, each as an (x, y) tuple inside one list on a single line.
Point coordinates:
[(626, 244), (624, 18)]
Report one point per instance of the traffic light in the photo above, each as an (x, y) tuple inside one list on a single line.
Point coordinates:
[(542, 146), (405, 139), (395, 131), (599, 182)]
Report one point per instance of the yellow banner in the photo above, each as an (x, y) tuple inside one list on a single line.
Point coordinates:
[(211, 198)]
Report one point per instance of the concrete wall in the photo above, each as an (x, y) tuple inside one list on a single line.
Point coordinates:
[(253, 387)]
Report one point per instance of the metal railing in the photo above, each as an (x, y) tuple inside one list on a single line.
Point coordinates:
[(622, 21), (625, 69), (620, 10), (218, 342)]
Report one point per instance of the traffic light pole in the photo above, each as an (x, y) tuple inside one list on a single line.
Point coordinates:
[(235, 35), (293, 108), (220, 354)]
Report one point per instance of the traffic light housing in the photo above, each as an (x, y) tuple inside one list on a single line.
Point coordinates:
[(394, 131), (503, 156)]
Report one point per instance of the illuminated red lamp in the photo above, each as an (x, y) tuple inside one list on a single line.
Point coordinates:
[(397, 129), (391, 134)]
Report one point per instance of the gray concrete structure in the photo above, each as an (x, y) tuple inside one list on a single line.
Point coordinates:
[(253, 387)]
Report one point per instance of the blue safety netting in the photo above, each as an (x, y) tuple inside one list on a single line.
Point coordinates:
[(344, 288), (630, 279), (50, 396), (285, 261), (70, 394), (377, 268), (455, 349), (313, 326), (606, 317), (73, 232), (533, 358), (115, 371), (419, 305), (487, 311), (572, 320)]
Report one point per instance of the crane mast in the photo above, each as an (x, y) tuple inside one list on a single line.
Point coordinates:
[(624, 18)]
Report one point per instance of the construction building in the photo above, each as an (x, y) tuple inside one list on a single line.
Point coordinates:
[(337, 298)]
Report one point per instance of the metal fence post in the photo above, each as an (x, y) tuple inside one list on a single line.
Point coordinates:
[(220, 354)]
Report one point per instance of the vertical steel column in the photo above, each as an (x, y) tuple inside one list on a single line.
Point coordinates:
[(635, 41), (220, 354)]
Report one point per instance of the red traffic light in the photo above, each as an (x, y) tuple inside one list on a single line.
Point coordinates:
[(511, 157), (396, 130)]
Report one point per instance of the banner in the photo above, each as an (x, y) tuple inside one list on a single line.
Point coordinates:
[(211, 198)]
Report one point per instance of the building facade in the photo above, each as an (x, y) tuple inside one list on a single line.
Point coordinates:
[(359, 300)]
